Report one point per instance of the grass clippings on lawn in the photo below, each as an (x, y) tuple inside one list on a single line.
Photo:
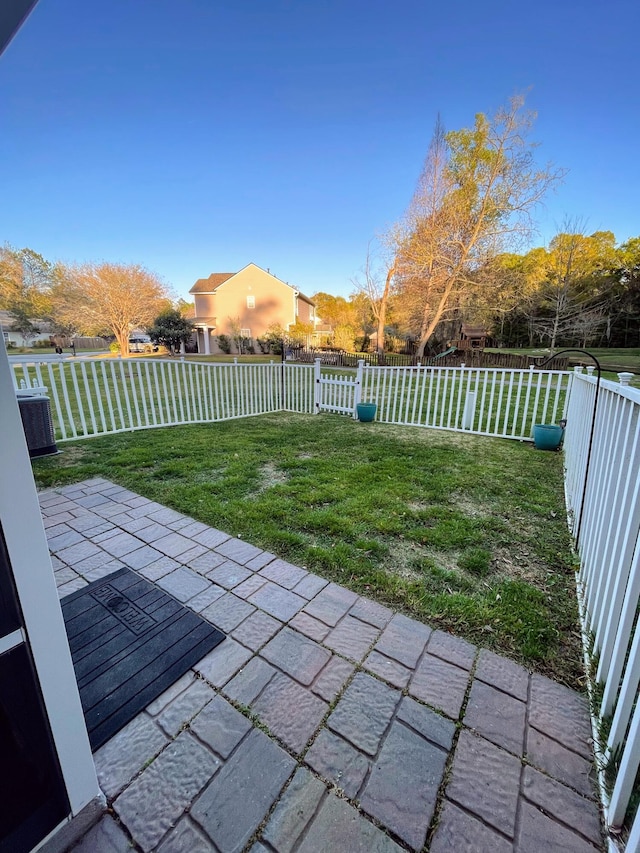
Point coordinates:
[(464, 532)]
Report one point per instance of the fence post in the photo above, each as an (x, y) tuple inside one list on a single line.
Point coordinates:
[(317, 395), (469, 410), (357, 391)]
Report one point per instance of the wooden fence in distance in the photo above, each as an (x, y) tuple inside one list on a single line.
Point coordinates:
[(508, 361)]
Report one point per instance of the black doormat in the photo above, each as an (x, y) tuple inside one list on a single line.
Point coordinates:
[(129, 641)]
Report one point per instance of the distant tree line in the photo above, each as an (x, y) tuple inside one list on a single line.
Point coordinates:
[(580, 290), (456, 254), (100, 299)]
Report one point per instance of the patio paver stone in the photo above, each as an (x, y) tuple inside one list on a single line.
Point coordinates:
[(496, 716), (323, 721), (403, 640), (364, 712), (238, 799), (440, 684), (277, 601)]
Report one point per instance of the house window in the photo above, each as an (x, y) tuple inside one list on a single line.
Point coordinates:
[(245, 333), (251, 301)]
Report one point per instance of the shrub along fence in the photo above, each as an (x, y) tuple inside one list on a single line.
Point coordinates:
[(91, 397)]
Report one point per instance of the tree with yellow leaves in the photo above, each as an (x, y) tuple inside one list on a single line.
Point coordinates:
[(474, 200), (109, 298)]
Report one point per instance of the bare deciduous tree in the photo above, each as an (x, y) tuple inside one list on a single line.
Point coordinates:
[(376, 283)]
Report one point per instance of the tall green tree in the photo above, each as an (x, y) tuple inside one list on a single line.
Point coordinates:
[(572, 293), (624, 329), (334, 310), (171, 329)]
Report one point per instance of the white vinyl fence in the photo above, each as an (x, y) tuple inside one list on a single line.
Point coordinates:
[(338, 392), (102, 396), (484, 401), (97, 397), (606, 519)]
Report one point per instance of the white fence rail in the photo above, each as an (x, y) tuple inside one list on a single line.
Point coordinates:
[(338, 393), (607, 517), (484, 401), (97, 397), (297, 388)]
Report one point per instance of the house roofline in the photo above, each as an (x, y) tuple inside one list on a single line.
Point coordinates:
[(212, 292)]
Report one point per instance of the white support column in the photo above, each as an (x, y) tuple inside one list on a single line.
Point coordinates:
[(317, 395), (36, 588), (207, 342), (357, 397), (469, 410)]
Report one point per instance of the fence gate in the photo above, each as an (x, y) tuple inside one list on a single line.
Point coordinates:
[(339, 394)]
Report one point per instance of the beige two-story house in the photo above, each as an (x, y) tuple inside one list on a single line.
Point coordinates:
[(251, 300)]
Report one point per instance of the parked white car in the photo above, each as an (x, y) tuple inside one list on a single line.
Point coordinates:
[(142, 343)]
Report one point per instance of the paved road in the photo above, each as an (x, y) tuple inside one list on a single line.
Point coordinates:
[(46, 357)]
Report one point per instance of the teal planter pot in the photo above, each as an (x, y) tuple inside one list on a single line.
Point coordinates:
[(547, 436), (366, 412)]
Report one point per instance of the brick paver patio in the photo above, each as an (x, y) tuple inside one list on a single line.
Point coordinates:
[(324, 722)]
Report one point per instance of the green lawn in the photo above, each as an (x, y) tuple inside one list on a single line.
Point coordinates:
[(105, 394), (226, 359), (465, 532), (612, 360), (50, 350)]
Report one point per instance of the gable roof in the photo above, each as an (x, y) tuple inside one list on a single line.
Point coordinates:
[(209, 285), (474, 331), (7, 321)]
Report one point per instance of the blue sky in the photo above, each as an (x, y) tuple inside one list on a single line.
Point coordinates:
[(195, 136)]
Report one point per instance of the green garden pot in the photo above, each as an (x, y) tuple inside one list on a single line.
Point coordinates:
[(547, 436), (366, 412)]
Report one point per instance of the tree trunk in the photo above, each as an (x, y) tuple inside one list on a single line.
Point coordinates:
[(382, 314), (554, 333), (122, 336), (429, 323)]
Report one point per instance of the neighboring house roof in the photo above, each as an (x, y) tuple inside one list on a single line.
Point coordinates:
[(210, 285), (7, 320), (474, 331)]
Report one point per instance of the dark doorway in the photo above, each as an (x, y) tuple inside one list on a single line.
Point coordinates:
[(33, 800)]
